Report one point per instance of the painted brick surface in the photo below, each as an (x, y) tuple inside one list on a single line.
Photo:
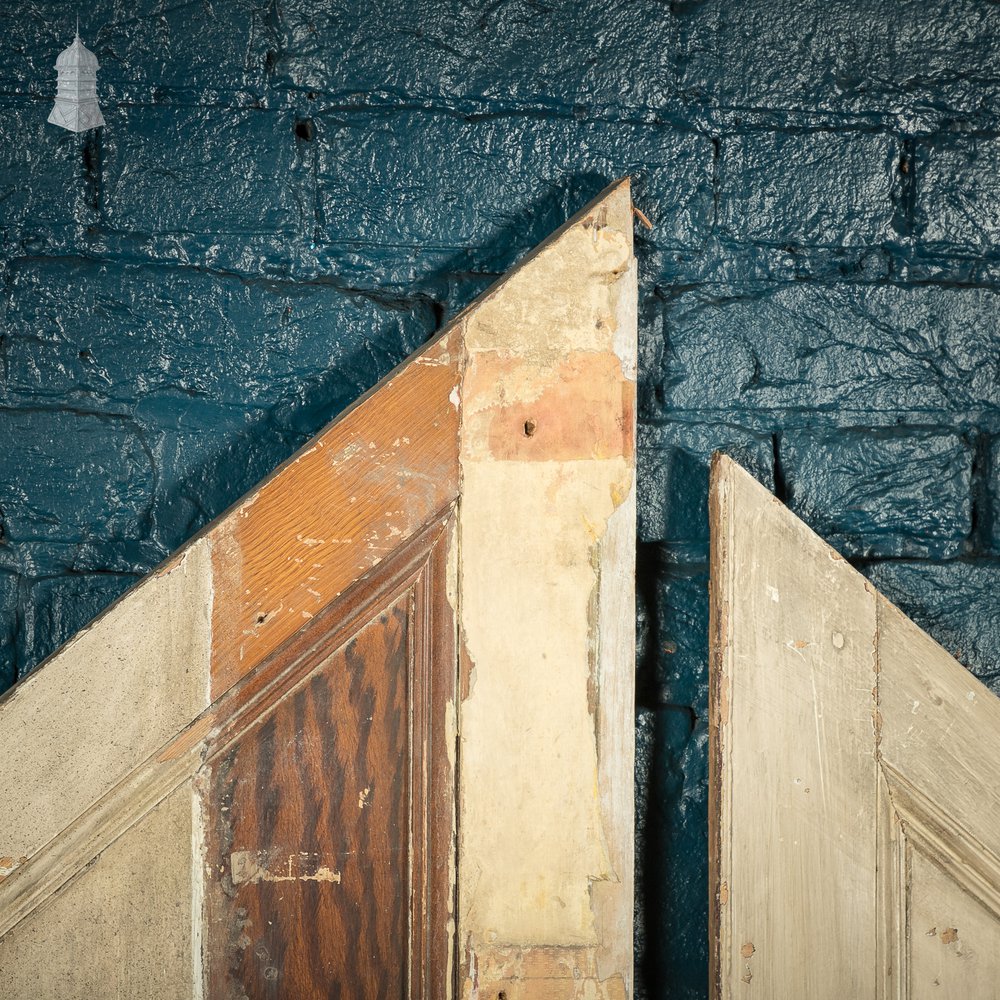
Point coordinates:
[(958, 200), (818, 188), (834, 347), (673, 480), (288, 198), (956, 602), (885, 494)]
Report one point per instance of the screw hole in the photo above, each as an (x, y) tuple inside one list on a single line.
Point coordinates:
[(304, 129), (529, 429), (502, 995)]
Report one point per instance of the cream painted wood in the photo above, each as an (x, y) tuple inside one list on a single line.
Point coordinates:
[(855, 816), (547, 613), (528, 399)]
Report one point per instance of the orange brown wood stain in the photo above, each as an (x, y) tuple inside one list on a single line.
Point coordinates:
[(378, 474), (330, 793)]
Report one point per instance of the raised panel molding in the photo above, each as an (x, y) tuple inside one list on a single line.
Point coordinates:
[(854, 809), (381, 709)]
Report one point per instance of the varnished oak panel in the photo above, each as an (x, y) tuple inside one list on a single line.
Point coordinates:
[(332, 805), (311, 810)]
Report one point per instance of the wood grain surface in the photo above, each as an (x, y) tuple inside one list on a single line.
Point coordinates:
[(341, 505), (332, 802)]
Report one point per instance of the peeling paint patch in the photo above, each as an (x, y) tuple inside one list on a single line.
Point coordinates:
[(250, 866), (10, 865)]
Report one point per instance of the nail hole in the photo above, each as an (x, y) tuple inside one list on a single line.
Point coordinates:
[(260, 618), (304, 129), (529, 428), (502, 995)]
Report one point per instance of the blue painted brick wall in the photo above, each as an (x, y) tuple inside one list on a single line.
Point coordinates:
[(289, 197)]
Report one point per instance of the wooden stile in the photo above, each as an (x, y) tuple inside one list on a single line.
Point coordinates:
[(854, 812), (370, 733)]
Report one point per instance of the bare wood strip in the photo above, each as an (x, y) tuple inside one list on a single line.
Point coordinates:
[(547, 457), (338, 508)]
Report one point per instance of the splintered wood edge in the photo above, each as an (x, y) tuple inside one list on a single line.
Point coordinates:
[(718, 630)]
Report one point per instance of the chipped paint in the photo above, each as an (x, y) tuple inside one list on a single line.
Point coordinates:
[(547, 465), (556, 973), (254, 866)]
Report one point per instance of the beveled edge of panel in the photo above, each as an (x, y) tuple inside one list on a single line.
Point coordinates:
[(720, 535), (180, 757)]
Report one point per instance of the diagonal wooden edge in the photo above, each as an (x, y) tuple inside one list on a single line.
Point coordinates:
[(434, 352), (550, 347), (903, 769)]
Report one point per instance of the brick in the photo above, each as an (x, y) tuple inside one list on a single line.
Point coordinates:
[(42, 188), (69, 475), (859, 56), (9, 601), (788, 56), (55, 609), (673, 662), (185, 172), (944, 59), (601, 52), (417, 179), (671, 860), (814, 189), (673, 464), (146, 49), (958, 194), (882, 494), (111, 334), (955, 603), (873, 349)]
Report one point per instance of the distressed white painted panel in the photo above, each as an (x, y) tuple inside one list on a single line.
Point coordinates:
[(107, 700), (547, 614), (856, 817), (123, 928), (794, 714)]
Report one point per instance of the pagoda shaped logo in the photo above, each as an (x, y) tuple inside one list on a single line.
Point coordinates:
[(76, 106)]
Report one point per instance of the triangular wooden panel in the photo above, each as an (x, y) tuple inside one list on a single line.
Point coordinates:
[(369, 734), (854, 808)]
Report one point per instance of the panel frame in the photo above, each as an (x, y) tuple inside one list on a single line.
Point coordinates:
[(933, 737)]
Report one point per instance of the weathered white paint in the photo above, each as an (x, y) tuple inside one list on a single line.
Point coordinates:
[(856, 823), (107, 700), (547, 612), (121, 929)]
